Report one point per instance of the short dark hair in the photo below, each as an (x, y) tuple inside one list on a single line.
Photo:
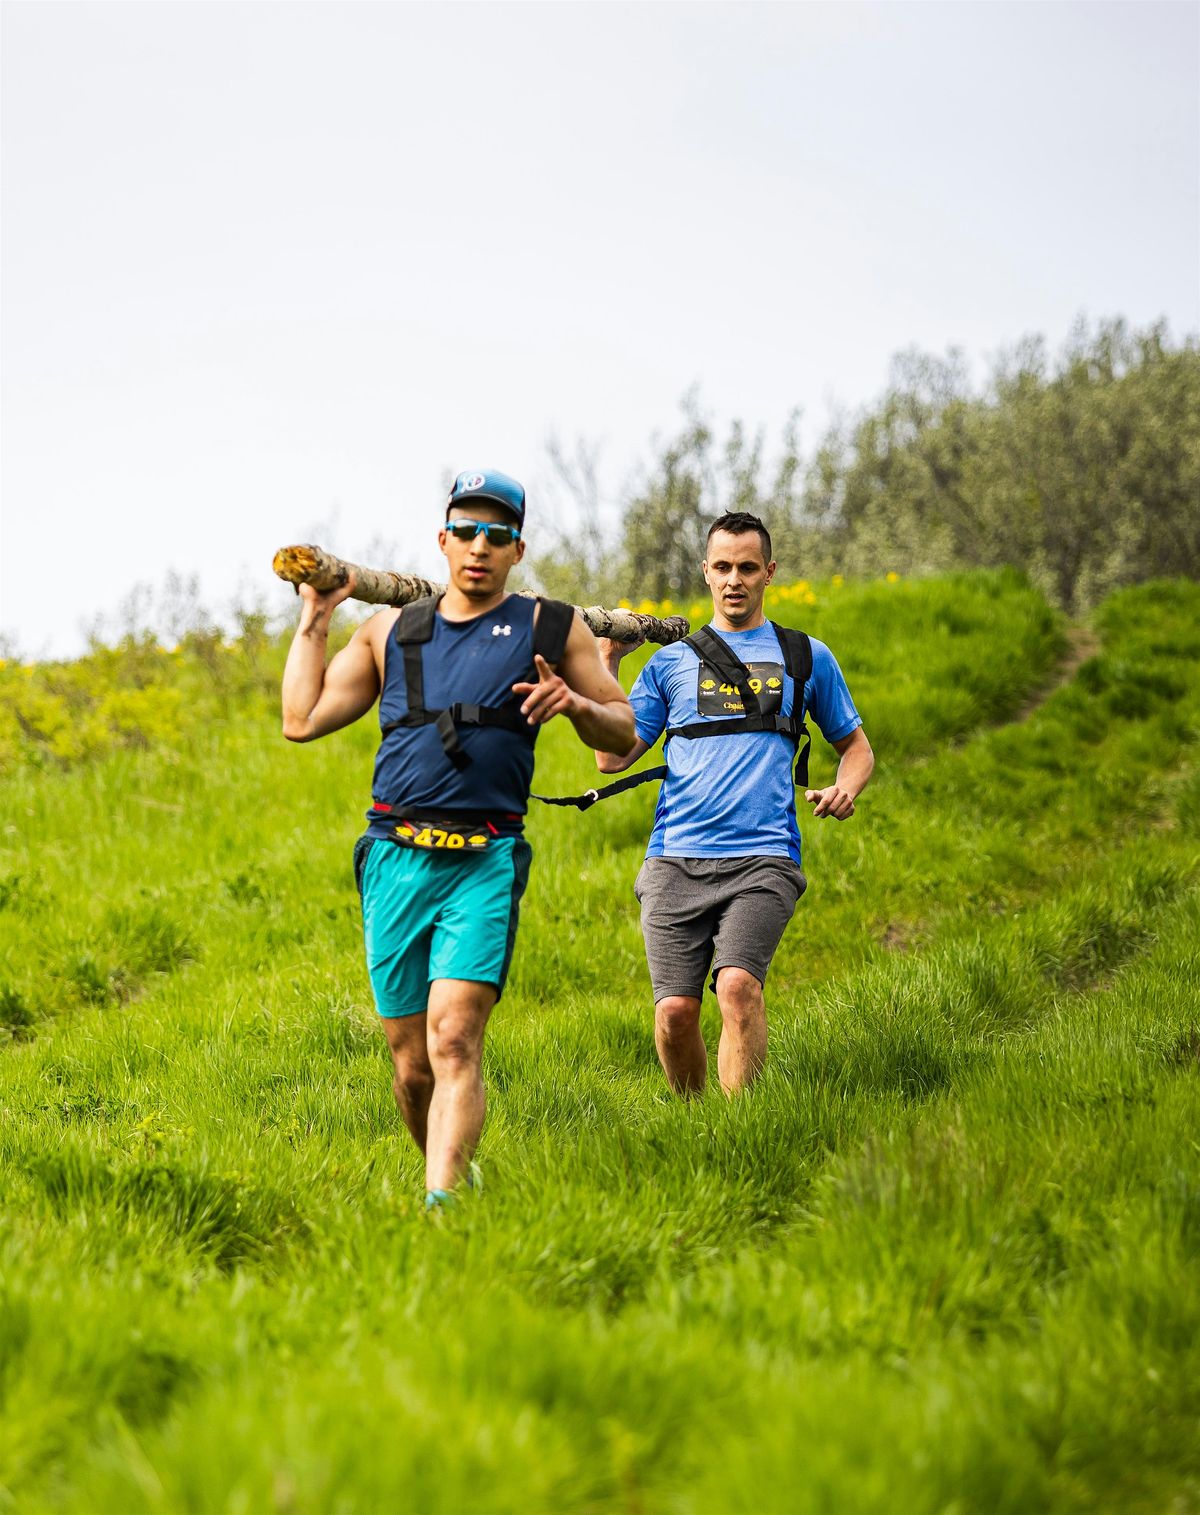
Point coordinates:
[(737, 523)]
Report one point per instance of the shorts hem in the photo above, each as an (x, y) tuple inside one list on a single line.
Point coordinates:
[(391, 1014), (489, 982), (751, 968), (691, 991)]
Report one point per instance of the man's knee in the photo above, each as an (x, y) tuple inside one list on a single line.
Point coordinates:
[(739, 994), (413, 1080), (458, 1014), (678, 1015), (455, 1044)]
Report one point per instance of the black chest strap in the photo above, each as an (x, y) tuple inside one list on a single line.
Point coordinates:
[(797, 660), (414, 627)]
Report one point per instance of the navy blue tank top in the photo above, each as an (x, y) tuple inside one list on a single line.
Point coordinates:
[(472, 662)]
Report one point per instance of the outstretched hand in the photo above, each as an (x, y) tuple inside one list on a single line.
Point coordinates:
[(550, 696), (834, 801)]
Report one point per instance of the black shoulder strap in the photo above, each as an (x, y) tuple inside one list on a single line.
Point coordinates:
[(797, 659), (710, 649), (414, 628), (415, 621), (552, 627)]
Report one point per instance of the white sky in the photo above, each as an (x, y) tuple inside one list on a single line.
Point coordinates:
[(271, 265)]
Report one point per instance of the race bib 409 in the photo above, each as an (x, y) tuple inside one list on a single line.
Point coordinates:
[(715, 697)]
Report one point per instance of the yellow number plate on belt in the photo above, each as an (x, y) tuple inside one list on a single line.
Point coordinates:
[(441, 838)]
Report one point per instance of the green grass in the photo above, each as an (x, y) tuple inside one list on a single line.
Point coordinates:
[(943, 1258)]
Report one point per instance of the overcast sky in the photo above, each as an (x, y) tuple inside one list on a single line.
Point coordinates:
[(272, 265)]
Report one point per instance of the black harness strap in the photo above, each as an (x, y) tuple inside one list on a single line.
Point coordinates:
[(587, 800), (552, 628), (798, 660), (710, 649), (414, 628)]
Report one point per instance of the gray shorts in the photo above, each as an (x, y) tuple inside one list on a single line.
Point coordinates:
[(727, 911)]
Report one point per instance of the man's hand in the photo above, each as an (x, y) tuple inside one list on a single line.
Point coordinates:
[(316, 699), (319, 605), (549, 697), (834, 801), (612, 652)]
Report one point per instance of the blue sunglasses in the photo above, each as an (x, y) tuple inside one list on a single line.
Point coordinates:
[(497, 533)]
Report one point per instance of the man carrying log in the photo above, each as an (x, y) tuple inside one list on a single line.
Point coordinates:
[(463, 685), (722, 873)]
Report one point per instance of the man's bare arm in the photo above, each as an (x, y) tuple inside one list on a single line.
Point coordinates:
[(584, 691), (317, 699), (854, 769), (613, 762), (611, 654)]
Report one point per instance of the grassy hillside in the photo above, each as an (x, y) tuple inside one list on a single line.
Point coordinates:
[(944, 1256)]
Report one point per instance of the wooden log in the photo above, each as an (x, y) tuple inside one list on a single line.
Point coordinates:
[(378, 586)]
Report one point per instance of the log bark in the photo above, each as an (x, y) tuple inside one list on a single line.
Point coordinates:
[(378, 586)]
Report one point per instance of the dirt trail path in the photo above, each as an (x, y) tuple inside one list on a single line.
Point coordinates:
[(1082, 643)]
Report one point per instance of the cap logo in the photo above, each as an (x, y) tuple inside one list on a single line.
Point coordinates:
[(472, 481)]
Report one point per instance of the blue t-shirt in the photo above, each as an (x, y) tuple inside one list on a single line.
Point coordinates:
[(733, 796)]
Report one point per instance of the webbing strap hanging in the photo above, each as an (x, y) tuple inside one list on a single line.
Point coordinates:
[(588, 799)]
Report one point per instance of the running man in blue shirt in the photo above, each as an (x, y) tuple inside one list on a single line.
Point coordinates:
[(722, 872), (463, 685)]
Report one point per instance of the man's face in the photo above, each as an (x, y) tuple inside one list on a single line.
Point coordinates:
[(737, 574), (477, 569)]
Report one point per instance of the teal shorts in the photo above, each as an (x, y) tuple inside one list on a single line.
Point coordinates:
[(430, 915)]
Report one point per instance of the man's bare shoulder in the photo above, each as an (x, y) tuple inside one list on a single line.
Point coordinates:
[(374, 630)]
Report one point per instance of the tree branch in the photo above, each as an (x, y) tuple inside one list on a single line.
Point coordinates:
[(308, 564)]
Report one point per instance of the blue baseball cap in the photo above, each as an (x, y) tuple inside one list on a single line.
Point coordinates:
[(478, 484)]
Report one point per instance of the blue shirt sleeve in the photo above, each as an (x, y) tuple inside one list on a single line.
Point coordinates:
[(649, 704), (827, 698)]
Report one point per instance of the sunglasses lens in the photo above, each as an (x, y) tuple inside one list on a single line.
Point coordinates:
[(498, 535)]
